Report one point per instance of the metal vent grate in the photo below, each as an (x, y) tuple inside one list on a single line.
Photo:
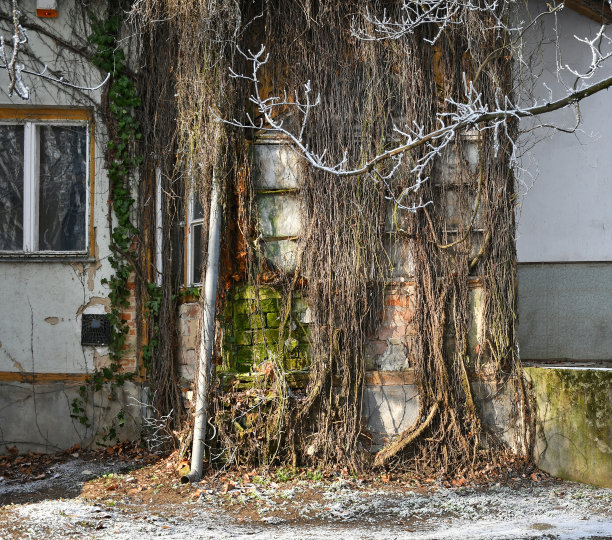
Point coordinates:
[(95, 330)]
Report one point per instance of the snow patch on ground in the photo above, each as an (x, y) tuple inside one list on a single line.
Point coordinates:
[(565, 511)]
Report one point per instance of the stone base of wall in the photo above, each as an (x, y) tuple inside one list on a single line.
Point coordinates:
[(574, 432), (36, 417), (391, 405), (389, 409), (573, 406)]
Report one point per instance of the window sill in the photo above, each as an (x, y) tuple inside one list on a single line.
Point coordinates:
[(80, 257), (186, 297)]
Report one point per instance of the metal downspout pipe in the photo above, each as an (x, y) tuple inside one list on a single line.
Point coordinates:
[(207, 338)]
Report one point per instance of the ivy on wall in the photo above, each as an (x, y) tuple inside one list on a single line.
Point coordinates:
[(119, 107)]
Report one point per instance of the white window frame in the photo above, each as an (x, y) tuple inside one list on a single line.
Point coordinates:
[(159, 228), (189, 242), (31, 183)]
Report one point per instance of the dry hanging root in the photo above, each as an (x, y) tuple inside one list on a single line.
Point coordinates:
[(366, 87), (405, 438)]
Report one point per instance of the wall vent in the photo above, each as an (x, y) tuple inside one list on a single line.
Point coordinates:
[(95, 330)]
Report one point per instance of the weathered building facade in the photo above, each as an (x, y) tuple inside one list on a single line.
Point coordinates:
[(54, 257), (54, 254)]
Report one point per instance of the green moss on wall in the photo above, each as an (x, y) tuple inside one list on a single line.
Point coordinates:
[(252, 324), (575, 431)]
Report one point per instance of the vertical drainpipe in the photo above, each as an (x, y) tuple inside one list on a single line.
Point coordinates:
[(159, 228), (207, 338)]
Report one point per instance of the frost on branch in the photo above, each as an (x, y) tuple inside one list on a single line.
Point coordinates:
[(469, 114), (441, 13), (597, 56), (16, 70), (13, 67)]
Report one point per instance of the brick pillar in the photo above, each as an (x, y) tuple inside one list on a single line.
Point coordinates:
[(130, 354)]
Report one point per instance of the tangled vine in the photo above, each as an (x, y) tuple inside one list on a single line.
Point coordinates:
[(345, 257)]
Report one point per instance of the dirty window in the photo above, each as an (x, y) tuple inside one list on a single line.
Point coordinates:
[(63, 170), (194, 240), (11, 187), (43, 187), (198, 210), (196, 232)]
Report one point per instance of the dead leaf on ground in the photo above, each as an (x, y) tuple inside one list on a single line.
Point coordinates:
[(184, 467), (227, 486)]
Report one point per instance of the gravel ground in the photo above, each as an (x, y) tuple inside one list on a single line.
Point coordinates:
[(58, 507)]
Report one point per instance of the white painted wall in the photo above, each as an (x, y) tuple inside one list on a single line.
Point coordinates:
[(566, 213), (41, 302), (565, 216)]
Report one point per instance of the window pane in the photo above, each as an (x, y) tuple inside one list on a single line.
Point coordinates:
[(196, 255), (198, 211), (63, 190), (178, 254), (11, 187), (175, 214)]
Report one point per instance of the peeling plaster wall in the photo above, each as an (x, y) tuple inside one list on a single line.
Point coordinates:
[(35, 293), (564, 213), (42, 302)]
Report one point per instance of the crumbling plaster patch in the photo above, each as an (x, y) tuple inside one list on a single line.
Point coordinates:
[(101, 358), (104, 302), (88, 269), (16, 364)]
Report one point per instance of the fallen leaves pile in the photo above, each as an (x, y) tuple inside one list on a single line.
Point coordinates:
[(34, 466)]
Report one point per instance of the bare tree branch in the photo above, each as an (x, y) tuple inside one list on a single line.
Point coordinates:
[(472, 113), (16, 70)]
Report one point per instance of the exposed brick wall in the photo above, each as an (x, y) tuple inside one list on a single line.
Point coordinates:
[(251, 330), (129, 357), (250, 338), (389, 349)]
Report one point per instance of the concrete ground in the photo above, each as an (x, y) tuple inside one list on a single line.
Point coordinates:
[(107, 499)]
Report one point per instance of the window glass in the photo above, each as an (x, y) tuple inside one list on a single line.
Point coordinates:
[(62, 188), (11, 187), (198, 210), (196, 257), (178, 254)]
